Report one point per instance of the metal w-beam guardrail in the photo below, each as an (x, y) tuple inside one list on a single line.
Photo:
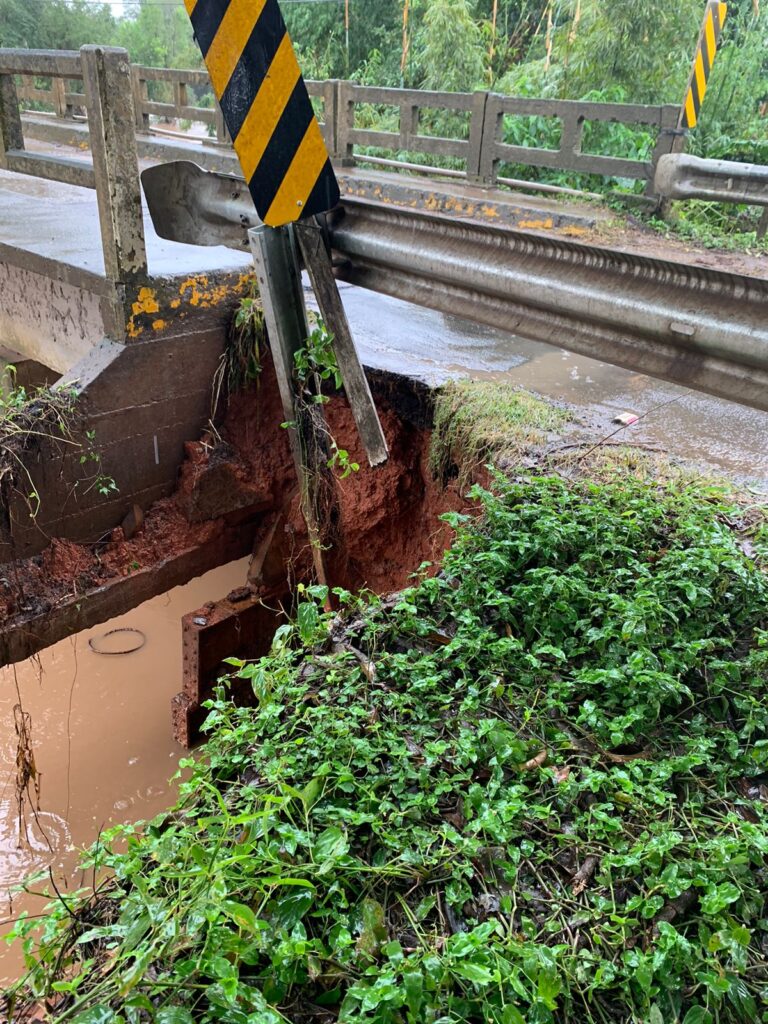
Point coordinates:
[(700, 328), (680, 176)]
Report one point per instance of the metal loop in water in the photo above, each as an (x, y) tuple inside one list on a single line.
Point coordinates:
[(142, 639)]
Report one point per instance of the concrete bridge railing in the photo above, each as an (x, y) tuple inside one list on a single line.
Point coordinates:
[(474, 146), (105, 74)]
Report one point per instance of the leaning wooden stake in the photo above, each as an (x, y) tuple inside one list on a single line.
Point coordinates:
[(320, 269), (277, 270)]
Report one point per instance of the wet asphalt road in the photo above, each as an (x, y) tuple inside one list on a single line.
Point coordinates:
[(730, 439)]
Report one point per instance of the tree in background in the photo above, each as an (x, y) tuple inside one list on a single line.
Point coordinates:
[(317, 30), (18, 23), (55, 24), (642, 49), (159, 36), (451, 54)]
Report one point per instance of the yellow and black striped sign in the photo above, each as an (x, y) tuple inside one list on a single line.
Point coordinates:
[(714, 19), (266, 108)]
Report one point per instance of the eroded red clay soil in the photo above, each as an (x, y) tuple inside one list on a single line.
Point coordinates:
[(388, 515)]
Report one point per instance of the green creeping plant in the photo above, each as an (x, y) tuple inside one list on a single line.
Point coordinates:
[(530, 790)]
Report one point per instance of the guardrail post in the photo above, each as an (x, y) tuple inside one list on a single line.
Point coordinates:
[(111, 122), (476, 128), (11, 131)]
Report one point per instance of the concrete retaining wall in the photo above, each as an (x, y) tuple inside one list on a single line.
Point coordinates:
[(142, 401)]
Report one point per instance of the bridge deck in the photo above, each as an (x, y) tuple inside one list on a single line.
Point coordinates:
[(60, 223)]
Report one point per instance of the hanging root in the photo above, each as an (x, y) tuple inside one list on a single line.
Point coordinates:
[(27, 775)]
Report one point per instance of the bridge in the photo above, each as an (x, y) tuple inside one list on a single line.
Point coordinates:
[(138, 324)]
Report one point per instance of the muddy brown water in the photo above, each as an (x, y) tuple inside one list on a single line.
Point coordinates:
[(101, 737)]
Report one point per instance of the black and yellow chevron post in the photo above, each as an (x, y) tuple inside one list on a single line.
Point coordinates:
[(266, 108), (714, 19)]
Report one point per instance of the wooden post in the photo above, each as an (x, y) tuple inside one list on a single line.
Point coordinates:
[(111, 124), (318, 265)]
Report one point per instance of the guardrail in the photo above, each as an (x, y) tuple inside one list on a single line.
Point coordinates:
[(461, 135), (113, 169), (485, 149)]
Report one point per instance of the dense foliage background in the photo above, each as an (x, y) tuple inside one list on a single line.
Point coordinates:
[(619, 50)]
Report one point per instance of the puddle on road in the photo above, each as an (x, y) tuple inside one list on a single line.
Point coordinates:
[(710, 432), (395, 335), (101, 738)]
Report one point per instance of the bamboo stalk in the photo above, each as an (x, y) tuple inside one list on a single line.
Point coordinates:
[(548, 40), (404, 58), (492, 48)]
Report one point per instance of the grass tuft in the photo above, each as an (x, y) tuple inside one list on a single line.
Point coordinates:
[(480, 421)]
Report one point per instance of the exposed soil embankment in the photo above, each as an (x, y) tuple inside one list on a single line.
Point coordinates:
[(237, 488)]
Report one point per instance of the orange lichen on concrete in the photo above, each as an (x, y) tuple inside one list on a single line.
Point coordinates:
[(146, 302), (196, 292), (536, 225)]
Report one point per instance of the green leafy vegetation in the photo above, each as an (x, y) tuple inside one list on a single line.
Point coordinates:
[(316, 367), (34, 417), (715, 225), (241, 360), (530, 789)]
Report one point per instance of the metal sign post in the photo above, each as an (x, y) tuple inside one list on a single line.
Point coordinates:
[(277, 271), (320, 269), (266, 108), (188, 204)]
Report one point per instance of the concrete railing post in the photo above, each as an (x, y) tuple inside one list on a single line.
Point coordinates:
[(331, 116), (222, 134), (571, 135), (476, 136), (492, 119), (111, 123), (670, 139), (59, 94), (140, 96), (11, 131), (345, 121)]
